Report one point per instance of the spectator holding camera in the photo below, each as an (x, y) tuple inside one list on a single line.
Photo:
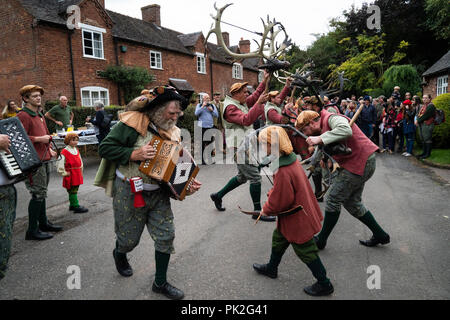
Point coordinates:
[(205, 113)]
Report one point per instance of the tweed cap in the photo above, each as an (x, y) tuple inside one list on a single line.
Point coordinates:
[(236, 87), (30, 88), (304, 118), (273, 94), (281, 139)]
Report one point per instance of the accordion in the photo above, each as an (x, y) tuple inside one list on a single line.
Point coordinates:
[(172, 166), (23, 159)]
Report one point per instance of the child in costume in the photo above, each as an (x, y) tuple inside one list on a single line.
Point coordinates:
[(293, 201), (71, 168)]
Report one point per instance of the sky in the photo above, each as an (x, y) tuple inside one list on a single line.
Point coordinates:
[(301, 19)]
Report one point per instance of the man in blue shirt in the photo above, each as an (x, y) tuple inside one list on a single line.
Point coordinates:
[(367, 118), (205, 113)]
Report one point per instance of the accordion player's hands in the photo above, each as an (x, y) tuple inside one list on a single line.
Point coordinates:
[(5, 143), (144, 153), (195, 186)]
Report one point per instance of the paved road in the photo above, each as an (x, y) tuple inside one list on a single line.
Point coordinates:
[(216, 250)]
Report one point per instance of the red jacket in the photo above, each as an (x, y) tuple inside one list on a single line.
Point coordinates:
[(292, 188)]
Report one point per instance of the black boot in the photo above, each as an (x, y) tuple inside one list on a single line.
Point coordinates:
[(80, 209), (271, 269), (168, 290), (372, 242), (427, 152), (265, 270), (317, 179), (122, 265), (38, 235), (50, 227), (217, 201), (318, 290)]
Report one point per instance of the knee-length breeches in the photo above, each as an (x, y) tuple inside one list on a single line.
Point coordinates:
[(129, 222)]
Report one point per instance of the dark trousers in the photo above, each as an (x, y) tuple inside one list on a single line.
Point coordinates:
[(398, 132)]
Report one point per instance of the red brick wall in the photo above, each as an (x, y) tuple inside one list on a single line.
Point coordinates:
[(431, 87), (181, 66), (41, 55), (19, 64)]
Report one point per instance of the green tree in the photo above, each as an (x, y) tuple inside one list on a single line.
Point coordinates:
[(441, 133), (131, 80), (404, 76), (438, 18)]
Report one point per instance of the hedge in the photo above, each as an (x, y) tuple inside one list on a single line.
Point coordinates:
[(80, 114), (441, 133)]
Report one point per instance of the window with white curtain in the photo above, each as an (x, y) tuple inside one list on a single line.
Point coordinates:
[(91, 94), (201, 63), (237, 71), (442, 85)]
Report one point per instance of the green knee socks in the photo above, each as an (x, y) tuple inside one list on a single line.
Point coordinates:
[(372, 224), (231, 185), (73, 199), (318, 271), (162, 263), (255, 193), (331, 218)]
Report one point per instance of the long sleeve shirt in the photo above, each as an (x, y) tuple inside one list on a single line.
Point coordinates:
[(272, 114), (234, 115), (205, 116), (340, 130)]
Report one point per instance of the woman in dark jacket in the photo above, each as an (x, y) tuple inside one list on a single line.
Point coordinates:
[(409, 129), (101, 127)]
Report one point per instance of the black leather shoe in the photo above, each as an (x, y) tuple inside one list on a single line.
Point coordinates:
[(71, 208), (217, 201), (318, 290), (122, 265), (319, 245), (265, 270), (80, 209), (38, 235), (372, 242), (50, 227), (169, 291), (264, 218)]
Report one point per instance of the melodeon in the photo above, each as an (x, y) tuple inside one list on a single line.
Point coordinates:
[(23, 159), (172, 165)]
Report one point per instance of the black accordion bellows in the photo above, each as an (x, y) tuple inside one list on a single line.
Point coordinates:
[(23, 159)]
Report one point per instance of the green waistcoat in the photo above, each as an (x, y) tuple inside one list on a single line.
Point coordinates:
[(234, 133), (267, 107)]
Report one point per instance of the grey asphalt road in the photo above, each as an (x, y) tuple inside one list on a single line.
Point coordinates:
[(215, 250)]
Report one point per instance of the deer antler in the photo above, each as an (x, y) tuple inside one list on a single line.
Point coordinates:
[(268, 34)]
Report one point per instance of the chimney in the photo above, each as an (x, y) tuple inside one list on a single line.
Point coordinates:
[(244, 46), (152, 14), (226, 38)]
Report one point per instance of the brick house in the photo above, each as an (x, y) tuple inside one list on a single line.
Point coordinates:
[(37, 47), (435, 79)]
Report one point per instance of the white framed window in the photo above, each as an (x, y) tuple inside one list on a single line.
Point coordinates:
[(260, 76), (92, 41), (156, 60), (237, 71), (201, 63), (91, 94), (442, 85)]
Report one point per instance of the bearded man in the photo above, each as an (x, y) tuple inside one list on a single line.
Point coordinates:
[(125, 147), (356, 169)]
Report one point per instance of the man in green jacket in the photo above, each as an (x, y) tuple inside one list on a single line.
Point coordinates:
[(425, 121), (126, 146)]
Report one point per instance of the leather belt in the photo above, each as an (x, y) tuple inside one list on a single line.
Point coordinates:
[(147, 187)]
